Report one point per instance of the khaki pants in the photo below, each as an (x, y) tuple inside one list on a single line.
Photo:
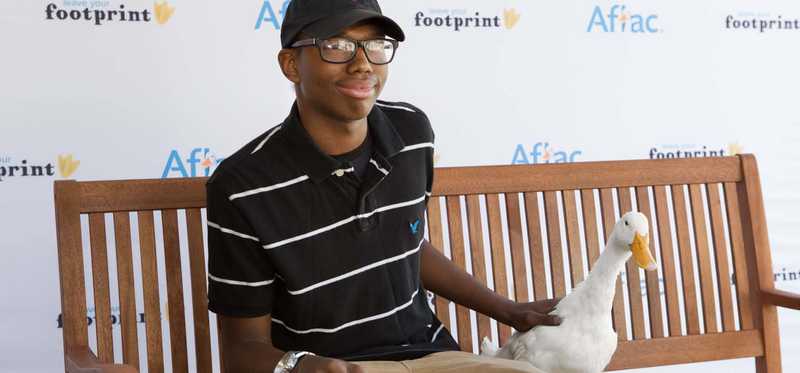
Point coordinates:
[(449, 362)]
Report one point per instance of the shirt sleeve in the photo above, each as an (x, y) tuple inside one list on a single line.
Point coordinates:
[(241, 277)]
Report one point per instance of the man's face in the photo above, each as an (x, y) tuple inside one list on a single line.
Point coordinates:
[(347, 91)]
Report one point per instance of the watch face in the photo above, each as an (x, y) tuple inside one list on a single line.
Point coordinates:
[(291, 361), (287, 363)]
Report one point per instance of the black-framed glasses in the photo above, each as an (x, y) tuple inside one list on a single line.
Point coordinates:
[(343, 50)]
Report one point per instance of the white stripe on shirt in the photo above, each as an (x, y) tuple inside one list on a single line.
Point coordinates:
[(300, 179), (437, 333), (381, 169), (343, 222), (284, 184), (395, 107), (351, 323), (231, 231), (268, 188), (417, 146), (266, 138), (356, 271), (241, 283)]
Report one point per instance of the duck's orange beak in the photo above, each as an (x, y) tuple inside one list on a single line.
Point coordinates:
[(641, 252)]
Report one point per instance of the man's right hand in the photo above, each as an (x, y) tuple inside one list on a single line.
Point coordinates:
[(320, 364)]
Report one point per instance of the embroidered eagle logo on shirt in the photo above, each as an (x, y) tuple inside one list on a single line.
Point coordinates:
[(414, 226)]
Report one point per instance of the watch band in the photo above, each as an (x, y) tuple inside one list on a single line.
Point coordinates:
[(289, 361)]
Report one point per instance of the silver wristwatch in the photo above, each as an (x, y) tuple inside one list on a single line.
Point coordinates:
[(289, 361)]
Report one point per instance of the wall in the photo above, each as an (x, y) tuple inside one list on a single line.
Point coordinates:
[(539, 81)]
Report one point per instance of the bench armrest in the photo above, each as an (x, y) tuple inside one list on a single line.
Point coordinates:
[(82, 360), (781, 298)]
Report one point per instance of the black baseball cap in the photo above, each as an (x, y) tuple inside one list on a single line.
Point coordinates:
[(325, 18)]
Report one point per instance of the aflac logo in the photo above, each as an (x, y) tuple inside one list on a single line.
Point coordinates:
[(201, 162), (619, 20), (542, 152), (268, 13)]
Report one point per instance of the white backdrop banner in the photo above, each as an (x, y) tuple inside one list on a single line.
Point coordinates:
[(97, 89)]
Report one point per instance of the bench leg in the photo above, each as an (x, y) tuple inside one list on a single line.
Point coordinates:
[(771, 361)]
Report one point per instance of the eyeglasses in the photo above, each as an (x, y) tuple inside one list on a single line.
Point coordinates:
[(343, 50)]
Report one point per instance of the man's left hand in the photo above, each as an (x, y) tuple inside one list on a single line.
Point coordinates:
[(524, 316)]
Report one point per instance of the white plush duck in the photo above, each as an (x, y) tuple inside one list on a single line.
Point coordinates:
[(585, 340)]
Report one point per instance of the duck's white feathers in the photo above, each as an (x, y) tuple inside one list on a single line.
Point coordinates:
[(585, 340), (563, 349)]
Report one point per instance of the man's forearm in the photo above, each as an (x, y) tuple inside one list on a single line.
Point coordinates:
[(252, 356), (441, 276)]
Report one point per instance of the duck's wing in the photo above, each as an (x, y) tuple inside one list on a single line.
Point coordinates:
[(611, 347), (488, 348), (523, 347)]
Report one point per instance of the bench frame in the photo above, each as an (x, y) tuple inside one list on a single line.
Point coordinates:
[(737, 176)]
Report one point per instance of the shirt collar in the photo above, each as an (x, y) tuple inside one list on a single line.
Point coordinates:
[(318, 165)]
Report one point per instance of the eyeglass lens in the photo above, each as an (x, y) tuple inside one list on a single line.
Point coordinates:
[(338, 50)]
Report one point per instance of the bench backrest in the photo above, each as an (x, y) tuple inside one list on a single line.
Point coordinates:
[(549, 223), (529, 232)]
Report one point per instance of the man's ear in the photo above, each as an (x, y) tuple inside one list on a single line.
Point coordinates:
[(287, 59)]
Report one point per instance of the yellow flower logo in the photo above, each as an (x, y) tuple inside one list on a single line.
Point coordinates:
[(67, 166), (163, 12), (735, 148), (510, 18)]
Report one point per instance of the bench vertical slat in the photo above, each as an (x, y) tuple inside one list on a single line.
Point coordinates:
[(651, 277), (721, 257), (740, 274), (590, 226), (152, 303), (442, 305), (177, 315), (573, 236), (102, 299), (667, 261), (478, 256), (759, 257), (632, 274), (67, 197), (554, 243), (609, 219), (458, 252), (703, 258), (514, 223), (536, 245), (197, 267), (685, 255), (127, 297), (498, 257), (219, 338)]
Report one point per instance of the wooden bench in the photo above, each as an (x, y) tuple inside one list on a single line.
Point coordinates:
[(530, 232)]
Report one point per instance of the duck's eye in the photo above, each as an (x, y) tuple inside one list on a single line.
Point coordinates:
[(626, 223)]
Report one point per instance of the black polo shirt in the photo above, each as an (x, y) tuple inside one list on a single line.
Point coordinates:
[(333, 257)]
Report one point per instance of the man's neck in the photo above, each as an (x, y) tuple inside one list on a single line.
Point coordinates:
[(333, 136)]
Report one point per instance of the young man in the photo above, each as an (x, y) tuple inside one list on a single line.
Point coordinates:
[(317, 259)]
